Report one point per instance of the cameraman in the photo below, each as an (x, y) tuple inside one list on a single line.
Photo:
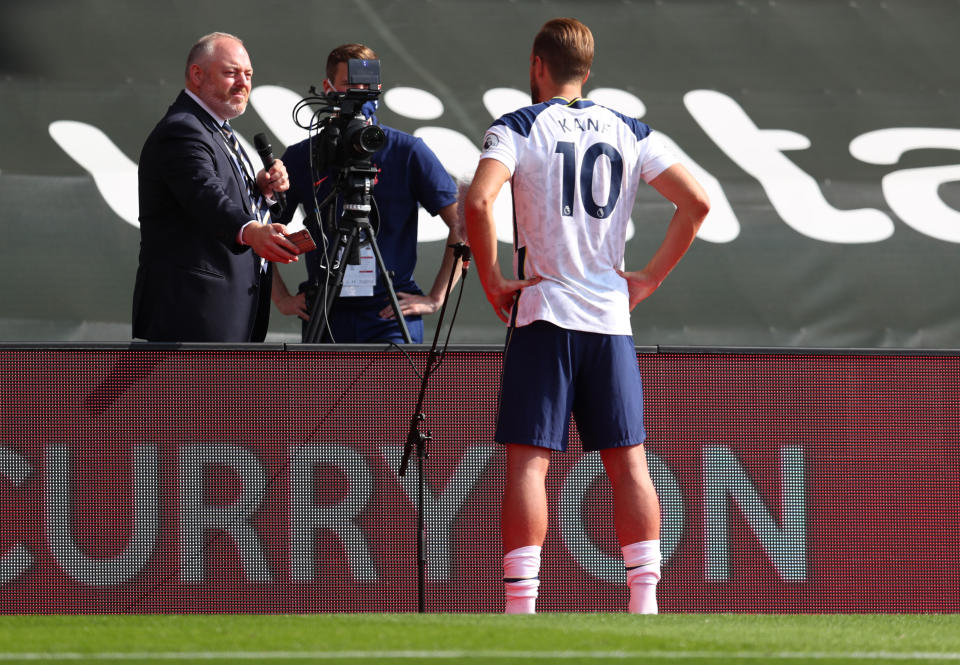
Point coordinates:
[(410, 175)]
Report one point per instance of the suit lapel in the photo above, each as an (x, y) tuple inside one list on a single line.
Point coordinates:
[(217, 139)]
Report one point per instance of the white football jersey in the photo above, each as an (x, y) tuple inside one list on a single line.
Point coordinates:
[(575, 169)]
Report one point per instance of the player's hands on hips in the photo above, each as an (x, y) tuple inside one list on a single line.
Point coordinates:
[(502, 294), (640, 284), (269, 242), (411, 304)]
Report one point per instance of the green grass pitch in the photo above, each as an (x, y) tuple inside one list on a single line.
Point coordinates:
[(481, 638)]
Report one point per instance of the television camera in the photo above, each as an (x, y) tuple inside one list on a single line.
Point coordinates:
[(343, 140)]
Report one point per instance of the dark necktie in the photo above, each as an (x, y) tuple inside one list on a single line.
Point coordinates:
[(257, 200)]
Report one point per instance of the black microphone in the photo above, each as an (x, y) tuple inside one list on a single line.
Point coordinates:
[(266, 154)]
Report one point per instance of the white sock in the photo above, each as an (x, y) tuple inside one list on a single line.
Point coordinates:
[(521, 568), (642, 561)]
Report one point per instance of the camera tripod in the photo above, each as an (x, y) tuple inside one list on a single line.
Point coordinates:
[(352, 229)]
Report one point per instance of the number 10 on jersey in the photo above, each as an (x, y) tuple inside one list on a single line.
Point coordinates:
[(568, 152)]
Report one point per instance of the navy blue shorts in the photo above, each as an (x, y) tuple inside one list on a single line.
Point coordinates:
[(550, 372)]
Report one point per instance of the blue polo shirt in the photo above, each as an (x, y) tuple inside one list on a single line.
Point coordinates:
[(410, 176)]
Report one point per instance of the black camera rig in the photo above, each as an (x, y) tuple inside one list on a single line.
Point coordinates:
[(343, 140)]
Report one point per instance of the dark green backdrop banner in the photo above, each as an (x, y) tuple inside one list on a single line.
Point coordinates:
[(826, 133)]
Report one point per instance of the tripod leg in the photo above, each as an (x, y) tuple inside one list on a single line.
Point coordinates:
[(317, 315), (319, 326), (389, 282)]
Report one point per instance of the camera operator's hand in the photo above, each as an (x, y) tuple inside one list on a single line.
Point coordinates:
[(285, 302), (269, 242), (274, 180), (293, 305), (411, 305)]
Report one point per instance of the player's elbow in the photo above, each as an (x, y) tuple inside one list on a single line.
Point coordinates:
[(698, 207), (701, 205), (476, 207)]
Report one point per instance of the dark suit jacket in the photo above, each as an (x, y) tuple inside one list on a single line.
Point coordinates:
[(195, 283)]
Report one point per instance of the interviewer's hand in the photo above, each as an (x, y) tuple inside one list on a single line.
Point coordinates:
[(640, 284), (274, 180), (269, 243)]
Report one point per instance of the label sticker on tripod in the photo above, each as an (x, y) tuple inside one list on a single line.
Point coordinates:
[(359, 280)]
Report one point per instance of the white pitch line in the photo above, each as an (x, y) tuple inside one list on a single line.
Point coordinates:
[(484, 655)]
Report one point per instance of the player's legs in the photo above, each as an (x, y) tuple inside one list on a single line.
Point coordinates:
[(533, 416), (523, 511), (636, 515), (523, 523), (608, 408), (636, 508)]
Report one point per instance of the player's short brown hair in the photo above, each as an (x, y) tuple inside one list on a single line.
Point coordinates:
[(345, 53), (566, 47)]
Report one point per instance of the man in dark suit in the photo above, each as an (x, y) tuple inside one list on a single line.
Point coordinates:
[(205, 236)]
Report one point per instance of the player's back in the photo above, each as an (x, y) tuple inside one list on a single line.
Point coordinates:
[(576, 168)]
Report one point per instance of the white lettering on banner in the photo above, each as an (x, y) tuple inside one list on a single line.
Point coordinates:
[(721, 224), (794, 194), (413, 103), (441, 510), (273, 104), (59, 508), (18, 560), (724, 478), (912, 193), (113, 172), (725, 482), (307, 518), (234, 519)]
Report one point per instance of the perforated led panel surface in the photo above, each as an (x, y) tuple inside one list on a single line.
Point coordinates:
[(266, 481)]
